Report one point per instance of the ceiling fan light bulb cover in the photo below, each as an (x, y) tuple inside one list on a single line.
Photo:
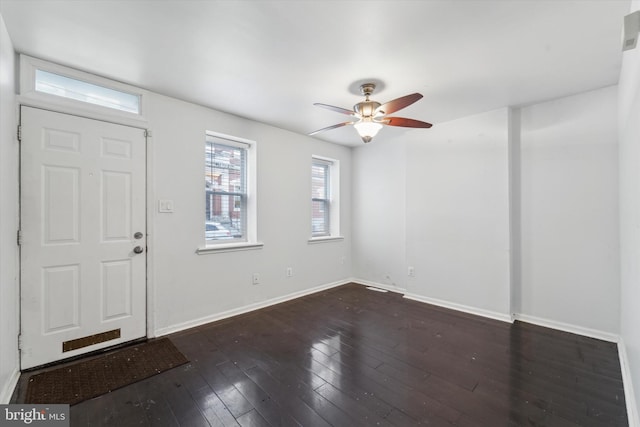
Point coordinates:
[(367, 129)]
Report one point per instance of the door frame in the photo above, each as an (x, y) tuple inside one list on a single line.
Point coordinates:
[(150, 320)]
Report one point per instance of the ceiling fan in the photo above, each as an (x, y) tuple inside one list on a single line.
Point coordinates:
[(372, 115)]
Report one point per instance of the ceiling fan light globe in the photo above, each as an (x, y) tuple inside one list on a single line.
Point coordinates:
[(367, 129)]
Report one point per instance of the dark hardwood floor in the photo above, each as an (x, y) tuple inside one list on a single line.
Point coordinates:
[(355, 357)]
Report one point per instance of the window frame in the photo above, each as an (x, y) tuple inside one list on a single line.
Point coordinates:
[(331, 200), (324, 200), (249, 240)]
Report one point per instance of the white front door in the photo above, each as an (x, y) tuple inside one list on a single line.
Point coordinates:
[(83, 235)]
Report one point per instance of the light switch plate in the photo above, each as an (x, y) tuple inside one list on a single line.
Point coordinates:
[(165, 206)]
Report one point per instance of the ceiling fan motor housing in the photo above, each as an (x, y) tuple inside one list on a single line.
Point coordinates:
[(366, 108)]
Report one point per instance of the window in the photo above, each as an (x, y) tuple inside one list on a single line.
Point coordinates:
[(71, 88), (226, 195), (52, 86), (320, 198), (325, 212)]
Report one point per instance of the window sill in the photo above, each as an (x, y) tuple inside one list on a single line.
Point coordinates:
[(324, 239), (229, 247)]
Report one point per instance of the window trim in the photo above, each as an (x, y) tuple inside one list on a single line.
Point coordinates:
[(229, 247), (326, 200), (251, 241), (243, 149), (334, 200)]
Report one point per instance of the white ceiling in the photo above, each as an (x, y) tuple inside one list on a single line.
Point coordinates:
[(271, 60)]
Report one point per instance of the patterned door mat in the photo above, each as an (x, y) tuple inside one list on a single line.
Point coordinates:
[(91, 378)]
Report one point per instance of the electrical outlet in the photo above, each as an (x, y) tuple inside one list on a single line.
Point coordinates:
[(411, 272), (289, 272), (256, 278)]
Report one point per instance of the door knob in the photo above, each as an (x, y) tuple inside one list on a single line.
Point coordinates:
[(138, 235), (138, 249)]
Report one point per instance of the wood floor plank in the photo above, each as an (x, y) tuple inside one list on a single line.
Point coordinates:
[(232, 398), (327, 410), (254, 419), (269, 408), (350, 406), (281, 393), (212, 408)]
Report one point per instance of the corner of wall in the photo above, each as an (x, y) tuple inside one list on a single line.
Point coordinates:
[(7, 390), (515, 229), (629, 394), (629, 202), (9, 255)]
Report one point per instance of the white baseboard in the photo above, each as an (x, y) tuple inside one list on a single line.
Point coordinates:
[(629, 394), (566, 327), (244, 309), (9, 387), (460, 307), (579, 330)]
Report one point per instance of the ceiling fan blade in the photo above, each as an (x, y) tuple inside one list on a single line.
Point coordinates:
[(331, 127), (336, 109), (398, 103), (407, 123)]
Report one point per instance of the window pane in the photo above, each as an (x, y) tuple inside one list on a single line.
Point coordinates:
[(55, 84), (319, 181), (320, 199), (225, 192), (226, 217), (319, 218)]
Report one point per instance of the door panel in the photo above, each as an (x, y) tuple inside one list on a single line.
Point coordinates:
[(116, 289), (61, 291), (82, 200)]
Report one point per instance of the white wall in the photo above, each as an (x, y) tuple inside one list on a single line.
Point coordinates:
[(379, 213), (458, 213), (569, 212), (8, 220), (504, 212), (190, 288), (629, 135), (437, 200)]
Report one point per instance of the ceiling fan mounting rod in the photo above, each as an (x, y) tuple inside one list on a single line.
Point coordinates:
[(367, 89), (366, 108)]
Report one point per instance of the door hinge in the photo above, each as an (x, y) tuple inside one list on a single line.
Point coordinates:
[(147, 133), (20, 342), (19, 134), (19, 238)]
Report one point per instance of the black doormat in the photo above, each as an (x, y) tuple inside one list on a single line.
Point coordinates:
[(91, 378)]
